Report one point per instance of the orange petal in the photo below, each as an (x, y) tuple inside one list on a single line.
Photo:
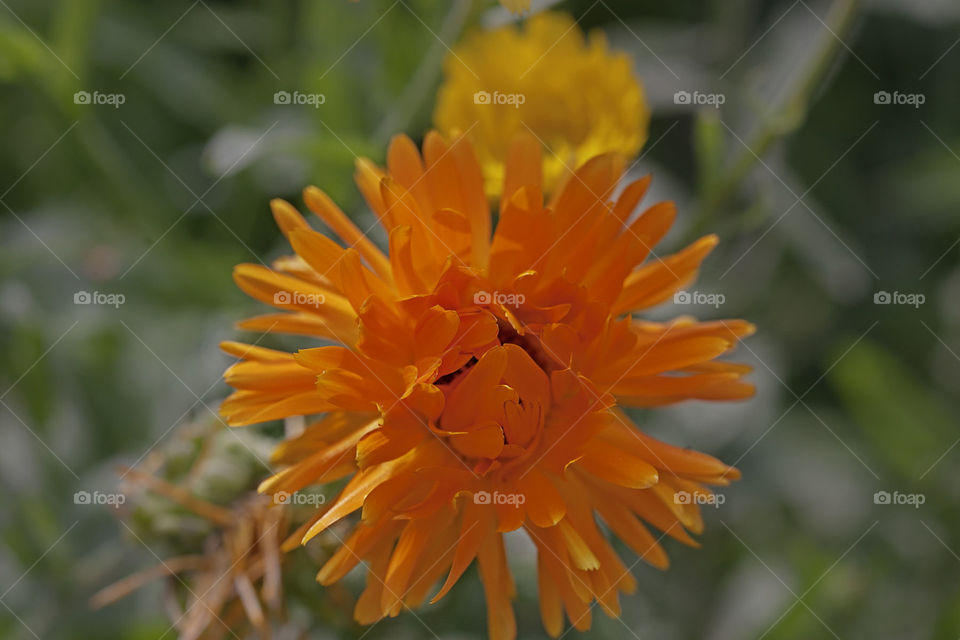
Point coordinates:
[(335, 329), (670, 355), (411, 544), (488, 371), (481, 442), (524, 167), (551, 606), (498, 589), (356, 547), (287, 216), (310, 470), (631, 197), (477, 524), (657, 281), (617, 466), (406, 167), (544, 504), (321, 204), (456, 182), (352, 497), (580, 553)]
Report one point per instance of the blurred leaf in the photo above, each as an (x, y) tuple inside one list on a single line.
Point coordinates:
[(907, 424), (32, 373), (948, 626), (20, 53)]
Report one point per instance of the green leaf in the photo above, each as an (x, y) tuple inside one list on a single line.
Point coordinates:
[(20, 53), (908, 425)]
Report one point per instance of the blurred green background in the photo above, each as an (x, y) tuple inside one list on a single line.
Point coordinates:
[(822, 197)]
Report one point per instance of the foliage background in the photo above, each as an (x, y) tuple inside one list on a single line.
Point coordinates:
[(159, 198)]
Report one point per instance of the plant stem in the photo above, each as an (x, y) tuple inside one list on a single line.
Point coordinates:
[(424, 77), (790, 117)]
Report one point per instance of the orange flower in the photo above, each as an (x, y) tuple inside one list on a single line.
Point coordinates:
[(478, 383)]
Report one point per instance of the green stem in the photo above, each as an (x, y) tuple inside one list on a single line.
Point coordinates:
[(423, 79), (790, 116)]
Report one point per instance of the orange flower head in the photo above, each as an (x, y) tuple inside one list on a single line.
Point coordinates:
[(478, 379)]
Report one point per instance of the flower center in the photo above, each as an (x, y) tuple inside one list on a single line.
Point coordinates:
[(495, 406), (530, 343)]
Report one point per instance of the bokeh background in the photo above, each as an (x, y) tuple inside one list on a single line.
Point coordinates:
[(822, 197)]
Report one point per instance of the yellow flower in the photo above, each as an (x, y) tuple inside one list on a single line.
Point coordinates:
[(579, 99), (480, 376)]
